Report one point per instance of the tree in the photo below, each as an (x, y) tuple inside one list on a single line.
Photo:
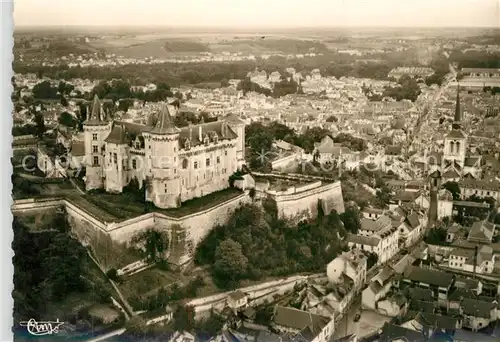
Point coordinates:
[(155, 244), (230, 263), (350, 218), (62, 262), (40, 125), (136, 326), (371, 260), (454, 188), (44, 90), (184, 318), (331, 118), (224, 83), (125, 104), (66, 119)]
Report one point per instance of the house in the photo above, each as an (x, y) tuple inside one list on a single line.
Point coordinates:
[(411, 228), (421, 300), (393, 305), (480, 188), (376, 236), (237, 300), (311, 327), (439, 282), (104, 314), (481, 232), (352, 264), (372, 213), (463, 208), (429, 322), (452, 231), (395, 333), (378, 287), (329, 152), (478, 314), (464, 259)]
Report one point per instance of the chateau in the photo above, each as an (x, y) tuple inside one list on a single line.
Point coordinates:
[(175, 164), (453, 162)]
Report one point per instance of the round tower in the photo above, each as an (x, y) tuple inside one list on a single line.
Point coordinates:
[(164, 190), (96, 128)]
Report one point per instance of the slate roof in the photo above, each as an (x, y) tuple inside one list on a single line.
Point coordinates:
[(376, 225), (428, 276), (303, 321), (77, 149), (363, 240), (165, 123), (118, 136), (455, 134), (431, 320), (96, 117), (477, 308), (482, 231), (392, 332)]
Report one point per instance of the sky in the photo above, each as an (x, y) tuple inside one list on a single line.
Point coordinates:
[(258, 13)]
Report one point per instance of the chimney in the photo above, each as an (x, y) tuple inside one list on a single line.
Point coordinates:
[(200, 133)]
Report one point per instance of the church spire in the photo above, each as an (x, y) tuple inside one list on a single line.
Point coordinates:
[(165, 123)]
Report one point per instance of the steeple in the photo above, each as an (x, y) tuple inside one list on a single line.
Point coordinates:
[(95, 117), (165, 124), (458, 109)]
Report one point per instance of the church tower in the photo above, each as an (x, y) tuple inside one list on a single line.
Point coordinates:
[(162, 151), (95, 129), (455, 142)]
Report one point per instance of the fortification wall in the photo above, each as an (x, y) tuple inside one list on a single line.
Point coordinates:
[(304, 203), (108, 241)]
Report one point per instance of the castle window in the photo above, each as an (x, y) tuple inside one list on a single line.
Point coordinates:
[(134, 164), (94, 136), (195, 164), (225, 153), (206, 140), (187, 144), (216, 139), (95, 149), (175, 171), (115, 158), (208, 161), (175, 149), (184, 163), (218, 160), (96, 161)]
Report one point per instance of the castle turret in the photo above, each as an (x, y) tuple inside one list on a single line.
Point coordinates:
[(96, 128), (116, 159), (163, 140)]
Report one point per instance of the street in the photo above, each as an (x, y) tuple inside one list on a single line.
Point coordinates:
[(368, 324)]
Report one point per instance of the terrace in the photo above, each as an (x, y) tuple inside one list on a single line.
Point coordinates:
[(125, 206)]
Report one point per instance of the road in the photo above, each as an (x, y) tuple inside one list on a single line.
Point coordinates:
[(369, 323), (108, 335), (429, 108)]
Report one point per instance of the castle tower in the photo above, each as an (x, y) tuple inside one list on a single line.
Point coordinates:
[(116, 159), (238, 126), (95, 129), (435, 185), (164, 189)]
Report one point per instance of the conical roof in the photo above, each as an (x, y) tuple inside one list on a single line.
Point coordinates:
[(96, 117), (165, 123)]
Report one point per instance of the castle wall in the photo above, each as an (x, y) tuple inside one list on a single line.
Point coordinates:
[(109, 241), (303, 203)]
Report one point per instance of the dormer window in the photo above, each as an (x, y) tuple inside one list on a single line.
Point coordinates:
[(206, 141), (216, 138), (187, 144)]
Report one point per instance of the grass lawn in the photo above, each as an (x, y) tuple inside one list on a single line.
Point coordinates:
[(123, 206), (146, 283)]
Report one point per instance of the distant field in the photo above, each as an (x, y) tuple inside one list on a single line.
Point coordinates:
[(141, 47), (263, 44)]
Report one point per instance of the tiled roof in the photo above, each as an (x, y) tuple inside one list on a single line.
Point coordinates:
[(363, 240), (477, 308), (427, 276), (299, 320)]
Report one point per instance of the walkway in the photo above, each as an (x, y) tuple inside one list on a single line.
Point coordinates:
[(107, 335)]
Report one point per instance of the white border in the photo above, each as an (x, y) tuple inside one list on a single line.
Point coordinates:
[(6, 282)]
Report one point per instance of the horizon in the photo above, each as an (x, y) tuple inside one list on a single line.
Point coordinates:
[(248, 15)]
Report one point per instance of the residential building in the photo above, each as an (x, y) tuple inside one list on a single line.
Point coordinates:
[(351, 264), (439, 282), (311, 327), (378, 287), (482, 232), (470, 260), (478, 314)]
